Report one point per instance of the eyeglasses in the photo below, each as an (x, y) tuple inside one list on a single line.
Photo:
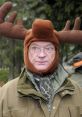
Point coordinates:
[(37, 49)]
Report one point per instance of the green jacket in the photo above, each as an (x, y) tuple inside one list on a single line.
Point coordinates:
[(19, 98), (77, 77)]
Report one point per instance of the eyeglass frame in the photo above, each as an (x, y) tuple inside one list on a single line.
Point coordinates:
[(36, 49)]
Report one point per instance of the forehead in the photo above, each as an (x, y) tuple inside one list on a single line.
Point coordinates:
[(42, 43)]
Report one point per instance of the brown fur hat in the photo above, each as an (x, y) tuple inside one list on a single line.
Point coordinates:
[(42, 30)]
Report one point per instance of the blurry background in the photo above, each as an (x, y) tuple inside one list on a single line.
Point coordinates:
[(58, 11)]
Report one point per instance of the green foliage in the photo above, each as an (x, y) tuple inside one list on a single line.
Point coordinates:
[(4, 75), (2, 1), (29, 10)]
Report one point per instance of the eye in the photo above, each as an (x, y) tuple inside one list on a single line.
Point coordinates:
[(34, 48), (49, 49)]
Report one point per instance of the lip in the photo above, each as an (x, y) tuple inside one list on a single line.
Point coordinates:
[(41, 62)]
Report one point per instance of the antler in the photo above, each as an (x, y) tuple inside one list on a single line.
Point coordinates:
[(67, 26), (7, 28), (18, 31), (71, 36), (76, 25)]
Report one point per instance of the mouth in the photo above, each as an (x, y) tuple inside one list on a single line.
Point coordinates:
[(41, 62)]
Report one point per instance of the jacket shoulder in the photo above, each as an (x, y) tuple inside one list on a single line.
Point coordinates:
[(10, 86), (78, 92)]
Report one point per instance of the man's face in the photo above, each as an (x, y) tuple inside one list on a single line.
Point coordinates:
[(41, 54)]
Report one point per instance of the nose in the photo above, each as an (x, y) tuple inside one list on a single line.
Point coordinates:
[(42, 53)]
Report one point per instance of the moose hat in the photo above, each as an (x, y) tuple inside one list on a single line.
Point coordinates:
[(42, 30)]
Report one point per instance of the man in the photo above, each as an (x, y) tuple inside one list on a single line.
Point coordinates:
[(43, 88)]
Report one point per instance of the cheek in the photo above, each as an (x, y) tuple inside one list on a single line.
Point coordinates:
[(31, 57), (51, 58)]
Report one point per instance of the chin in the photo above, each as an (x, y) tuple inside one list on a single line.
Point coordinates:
[(41, 68)]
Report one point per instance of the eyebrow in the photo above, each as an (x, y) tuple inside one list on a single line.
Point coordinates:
[(45, 45)]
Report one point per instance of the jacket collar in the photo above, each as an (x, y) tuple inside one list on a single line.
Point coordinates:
[(26, 88)]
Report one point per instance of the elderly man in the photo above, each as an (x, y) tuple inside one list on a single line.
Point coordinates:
[(43, 88)]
